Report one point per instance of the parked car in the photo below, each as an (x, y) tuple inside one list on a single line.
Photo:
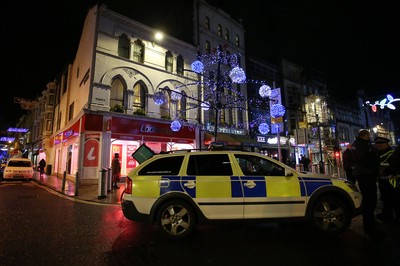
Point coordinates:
[(179, 190), (18, 168)]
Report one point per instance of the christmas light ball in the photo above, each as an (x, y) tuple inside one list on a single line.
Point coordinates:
[(197, 66), (237, 75), (277, 110), (159, 98), (263, 128), (175, 125), (265, 91)]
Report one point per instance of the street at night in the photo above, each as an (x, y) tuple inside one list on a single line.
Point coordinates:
[(43, 227)]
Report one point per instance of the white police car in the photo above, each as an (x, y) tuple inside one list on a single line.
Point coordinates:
[(179, 190)]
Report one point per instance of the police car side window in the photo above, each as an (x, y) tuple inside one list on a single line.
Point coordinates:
[(163, 166), (210, 164), (254, 165)]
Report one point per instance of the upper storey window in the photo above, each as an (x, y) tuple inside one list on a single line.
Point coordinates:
[(168, 61), (138, 51), (226, 34), (207, 23), (124, 45), (179, 65), (219, 30), (117, 95), (237, 40), (208, 47)]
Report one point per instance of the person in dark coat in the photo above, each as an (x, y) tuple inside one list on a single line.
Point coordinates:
[(365, 170), (348, 164), (42, 165), (116, 170), (306, 162), (394, 180)]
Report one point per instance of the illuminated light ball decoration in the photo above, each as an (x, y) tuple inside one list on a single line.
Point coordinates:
[(159, 98), (197, 66), (176, 125), (277, 110), (237, 75), (263, 128), (176, 95), (265, 91)]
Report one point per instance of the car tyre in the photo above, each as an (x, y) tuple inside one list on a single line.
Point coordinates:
[(176, 219), (330, 215)]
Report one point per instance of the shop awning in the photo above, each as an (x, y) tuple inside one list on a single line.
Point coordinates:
[(221, 137), (246, 140)]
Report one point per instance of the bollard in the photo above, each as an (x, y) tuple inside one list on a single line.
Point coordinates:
[(109, 180), (102, 184), (63, 181), (76, 184)]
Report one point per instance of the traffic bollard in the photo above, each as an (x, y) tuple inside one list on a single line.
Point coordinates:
[(109, 180), (63, 181), (102, 184), (76, 184)]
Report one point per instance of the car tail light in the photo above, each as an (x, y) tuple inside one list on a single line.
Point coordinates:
[(128, 185)]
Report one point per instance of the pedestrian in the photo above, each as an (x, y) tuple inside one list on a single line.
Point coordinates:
[(394, 180), (116, 170), (306, 162), (386, 191), (365, 171), (348, 164), (42, 165)]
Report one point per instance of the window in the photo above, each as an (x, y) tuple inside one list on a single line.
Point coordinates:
[(164, 108), (182, 106), (226, 34), (123, 46), (207, 23), (117, 93), (138, 51), (163, 166), (179, 65), (208, 47), (255, 166), (237, 40), (139, 97), (71, 112), (209, 164), (219, 30), (168, 61)]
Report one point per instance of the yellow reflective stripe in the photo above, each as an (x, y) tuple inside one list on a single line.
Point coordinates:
[(283, 186), (213, 187)]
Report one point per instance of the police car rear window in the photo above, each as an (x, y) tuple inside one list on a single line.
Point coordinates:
[(210, 164), (163, 166)]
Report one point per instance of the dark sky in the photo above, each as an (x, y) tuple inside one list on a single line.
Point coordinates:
[(354, 44)]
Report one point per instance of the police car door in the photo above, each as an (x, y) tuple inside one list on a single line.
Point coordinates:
[(211, 184), (268, 193)]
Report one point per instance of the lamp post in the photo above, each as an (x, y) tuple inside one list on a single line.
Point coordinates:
[(321, 161)]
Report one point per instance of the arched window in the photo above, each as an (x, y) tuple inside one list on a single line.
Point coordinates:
[(169, 61), (219, 30), (117, 96), (139, 98), (138, 51), (165, 107), (237, 41), (179, 65), (182, 106), (226, 34), (207, 23), (208, 47), (124, 45)]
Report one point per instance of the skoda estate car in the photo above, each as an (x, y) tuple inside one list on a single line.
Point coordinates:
[(18, 168), (176, 191)]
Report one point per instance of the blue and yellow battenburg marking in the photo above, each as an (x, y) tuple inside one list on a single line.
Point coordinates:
[(245, 186)]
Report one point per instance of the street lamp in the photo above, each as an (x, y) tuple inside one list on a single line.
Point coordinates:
[(321, 161)]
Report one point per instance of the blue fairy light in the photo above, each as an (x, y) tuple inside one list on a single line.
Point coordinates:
[(265, 91), (205, 106), (277, 110), (263, 128), (176, 95), (237, 75), (159, 98), (175, 125), (197, 66)]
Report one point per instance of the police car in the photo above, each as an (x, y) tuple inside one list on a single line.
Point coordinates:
[(179, 190)]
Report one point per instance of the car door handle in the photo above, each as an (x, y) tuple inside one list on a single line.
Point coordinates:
[(190, 184), (250, 184)]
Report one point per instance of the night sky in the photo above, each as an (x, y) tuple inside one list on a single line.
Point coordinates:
[(354, 44)]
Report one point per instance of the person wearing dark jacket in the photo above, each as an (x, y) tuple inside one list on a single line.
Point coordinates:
[(365, 170), (348, 164), (394, 179)]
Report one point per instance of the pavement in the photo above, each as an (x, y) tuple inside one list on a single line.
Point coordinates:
[(84, 192)]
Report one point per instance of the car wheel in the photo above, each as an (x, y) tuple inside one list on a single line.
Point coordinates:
[(176, 219), (330, 215)]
